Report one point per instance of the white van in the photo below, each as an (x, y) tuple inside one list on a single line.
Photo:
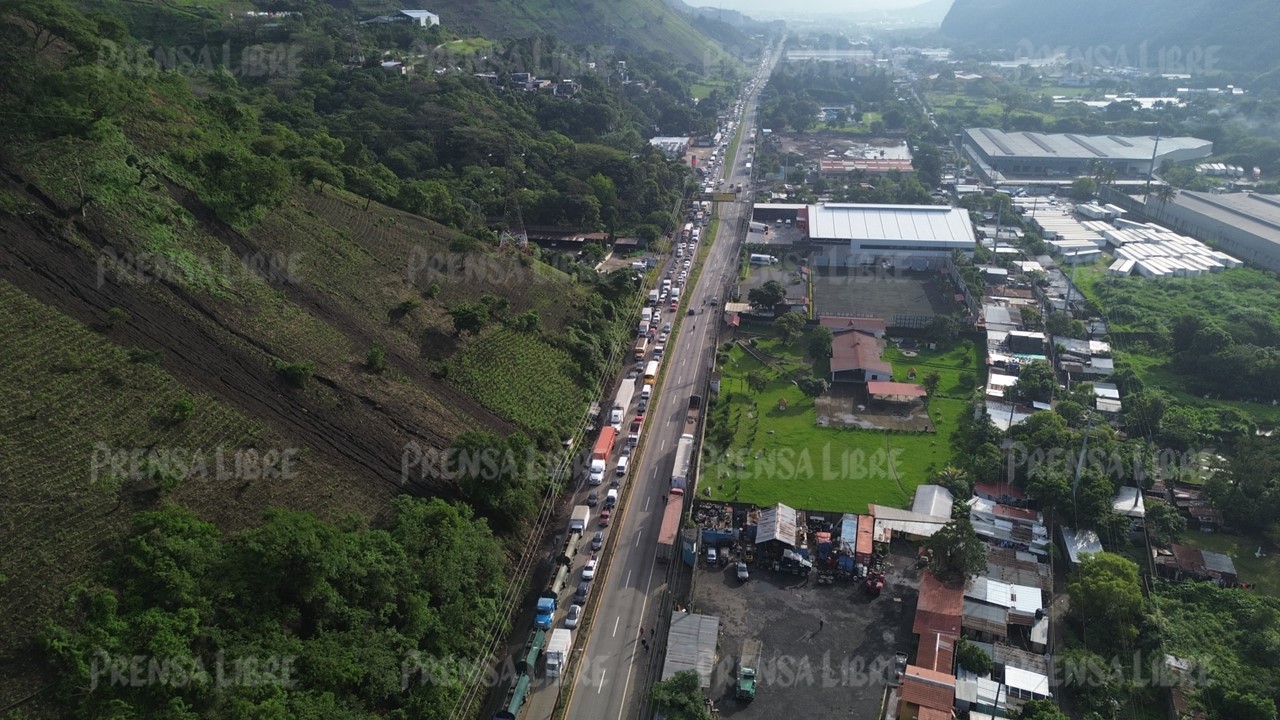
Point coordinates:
[(611, 499), (621, 470), (647, 391)]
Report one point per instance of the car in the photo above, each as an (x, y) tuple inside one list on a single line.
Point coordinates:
[(593, 499), (589, 570), (605, 515), (666, 327), (572, 617), (653, 331), (662, 337), (644, 405), (711, 553), (715, 301), (632, 374), (580, 597), (639, 418), (597, 542), (639, 366), (692, 312), (674, 305), (743, 574)]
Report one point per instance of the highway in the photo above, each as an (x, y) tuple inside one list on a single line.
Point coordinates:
[(612, 672)]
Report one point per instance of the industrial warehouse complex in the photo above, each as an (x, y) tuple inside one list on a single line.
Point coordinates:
[(916, 237), (1247, 225), (1001, 157)]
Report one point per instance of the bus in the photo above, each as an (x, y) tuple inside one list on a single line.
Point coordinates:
[(651, 370), (642, 347)]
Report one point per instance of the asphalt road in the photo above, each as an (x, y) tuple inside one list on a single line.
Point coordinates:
[(611, 676)]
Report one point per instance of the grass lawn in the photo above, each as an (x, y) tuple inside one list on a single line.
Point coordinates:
[(1265, 571), (781, 455)]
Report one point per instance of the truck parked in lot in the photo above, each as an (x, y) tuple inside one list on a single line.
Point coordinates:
[(748, 666), (601, 452), (558, 649), (545, 612)]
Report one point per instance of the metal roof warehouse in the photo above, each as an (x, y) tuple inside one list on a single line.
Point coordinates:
[(916, 236)]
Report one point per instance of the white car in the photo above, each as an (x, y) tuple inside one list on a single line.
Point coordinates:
[(589, 570), (572, 617), (662, 337)]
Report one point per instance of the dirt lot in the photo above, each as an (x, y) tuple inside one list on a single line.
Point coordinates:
[(847, 406), (901, 298), (827, 650)]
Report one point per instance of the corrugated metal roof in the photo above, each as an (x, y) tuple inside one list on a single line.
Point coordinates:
[(1217, 562), (1128, 502), (1027, 681), (985, 618), (998, 144), (849, 533), (933, 500), (1080, 543), (1021, 598), (691, 645), (940, 224), (777, 523)]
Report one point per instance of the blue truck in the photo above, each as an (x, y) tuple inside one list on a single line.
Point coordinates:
[(545, 616)]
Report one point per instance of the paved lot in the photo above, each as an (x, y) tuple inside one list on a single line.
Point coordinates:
[(885, 295), (826, 649)]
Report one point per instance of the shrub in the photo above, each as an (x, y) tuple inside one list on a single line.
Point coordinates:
[(181, 410), (376, 359), (296, 374)]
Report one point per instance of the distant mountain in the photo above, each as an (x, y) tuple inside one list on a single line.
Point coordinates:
[(927, 13), (1169, 36)]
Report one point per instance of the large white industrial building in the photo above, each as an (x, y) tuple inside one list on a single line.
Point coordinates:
[(1002, 158), (913, 237)]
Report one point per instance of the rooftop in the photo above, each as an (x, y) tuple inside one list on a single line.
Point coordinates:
[(777, 523), (1251, 212), (930, 499), (1128, 502), (1000, 144), (1080, 543), (858, 351), (691, 645), (922, 223), (929, 688), (938, 608), (895, 391)]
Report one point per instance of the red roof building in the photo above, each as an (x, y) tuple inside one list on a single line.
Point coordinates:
[(926, 689), (838, 323), (855, 357)]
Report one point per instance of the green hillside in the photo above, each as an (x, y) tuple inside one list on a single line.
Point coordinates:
[(626, 26), (226, 295)]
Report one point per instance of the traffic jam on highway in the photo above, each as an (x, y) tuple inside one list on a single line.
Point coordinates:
[(560, 609)]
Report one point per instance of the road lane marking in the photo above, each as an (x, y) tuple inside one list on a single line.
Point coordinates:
[(628, 582), (602, 673), (615, 626), (646, 503)]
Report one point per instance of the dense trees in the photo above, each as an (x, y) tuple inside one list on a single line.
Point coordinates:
[(955, 551), (680, 697), (331, 619), (1106, 595), (769, 295)]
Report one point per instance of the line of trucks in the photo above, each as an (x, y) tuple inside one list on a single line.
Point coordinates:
[(669, 532)]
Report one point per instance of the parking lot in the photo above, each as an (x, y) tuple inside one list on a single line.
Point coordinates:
[(902, 298), (826, 649)]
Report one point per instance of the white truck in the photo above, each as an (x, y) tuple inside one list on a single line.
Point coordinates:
[(578, 521), (622, 403), (558, 649)]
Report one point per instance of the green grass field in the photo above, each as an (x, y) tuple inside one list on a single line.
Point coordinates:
[(781, 455)]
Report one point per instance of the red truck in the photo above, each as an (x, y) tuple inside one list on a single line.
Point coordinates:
[(601, 453)]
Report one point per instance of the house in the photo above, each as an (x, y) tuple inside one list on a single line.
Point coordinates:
[(855, 358), (1128, 502), (1024, 604), (421, 18), (1019, 568), (911, 524), (522, 80), (926, 694), (839, 323), (1000, 493), (1008, 526), (937, 622), (1026, 343), (932, 500), (566, 88), (1183, 562), (394, 66), (1078, 544)]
